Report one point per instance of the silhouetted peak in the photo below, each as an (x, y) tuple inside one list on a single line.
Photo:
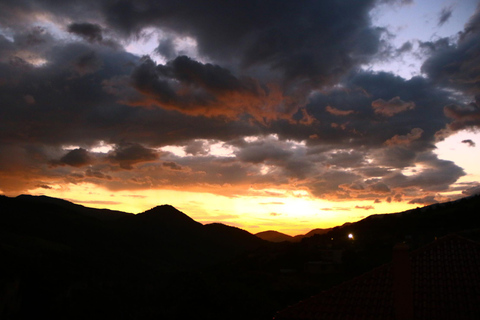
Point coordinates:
[(167, 214), (163, 209), (274, 236)]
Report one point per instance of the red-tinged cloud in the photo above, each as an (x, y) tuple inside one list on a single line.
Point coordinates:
[(338, 112), (391, 107), (195, 89), (415, 134)]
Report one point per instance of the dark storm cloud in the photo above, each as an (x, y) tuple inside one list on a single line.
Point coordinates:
[(75, 158), (257, 64), (128, 154), (404, 111), (166, 48), (195, 88), (89, 31), (211, 77), (456, 64), (87, 63), (288, 37), (307, 42), (431, 46), (437, 174)]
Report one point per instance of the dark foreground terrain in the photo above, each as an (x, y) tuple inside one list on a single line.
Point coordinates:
[(66, 261)]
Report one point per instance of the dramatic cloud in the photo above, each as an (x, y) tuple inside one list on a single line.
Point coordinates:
[(75, 158), (234, 99), (91, 32), (456, 64), (128, 154), (203, 89)]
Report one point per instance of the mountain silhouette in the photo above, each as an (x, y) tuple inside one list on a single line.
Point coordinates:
[(67, 261), (274, 236), (163, 234), (101, 214), (166, 214)]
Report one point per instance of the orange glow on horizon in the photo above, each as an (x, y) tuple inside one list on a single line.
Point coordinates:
[(289, 213)]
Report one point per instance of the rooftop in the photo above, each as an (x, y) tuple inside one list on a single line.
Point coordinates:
[(438, 281)]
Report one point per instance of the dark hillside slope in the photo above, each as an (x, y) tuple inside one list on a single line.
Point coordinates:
[(162, 235), (101, 214)]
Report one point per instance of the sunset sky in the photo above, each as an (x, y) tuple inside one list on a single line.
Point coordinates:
[(284, 115)]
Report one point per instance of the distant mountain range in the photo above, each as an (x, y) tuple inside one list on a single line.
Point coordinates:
[(275, 236)]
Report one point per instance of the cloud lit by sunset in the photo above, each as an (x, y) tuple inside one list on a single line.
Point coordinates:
[(266, 115)]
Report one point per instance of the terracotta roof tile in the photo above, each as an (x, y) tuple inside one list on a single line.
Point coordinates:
[(445, 283)]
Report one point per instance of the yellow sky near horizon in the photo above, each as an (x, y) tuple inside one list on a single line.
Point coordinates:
[(291, 212), (288, 214)]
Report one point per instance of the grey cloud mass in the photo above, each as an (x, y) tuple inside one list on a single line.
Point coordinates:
[(281, 84)]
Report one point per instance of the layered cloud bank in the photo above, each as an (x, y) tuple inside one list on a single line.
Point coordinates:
[(235, 99)]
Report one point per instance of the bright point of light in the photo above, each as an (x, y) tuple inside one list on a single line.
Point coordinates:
[(350, 236)]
